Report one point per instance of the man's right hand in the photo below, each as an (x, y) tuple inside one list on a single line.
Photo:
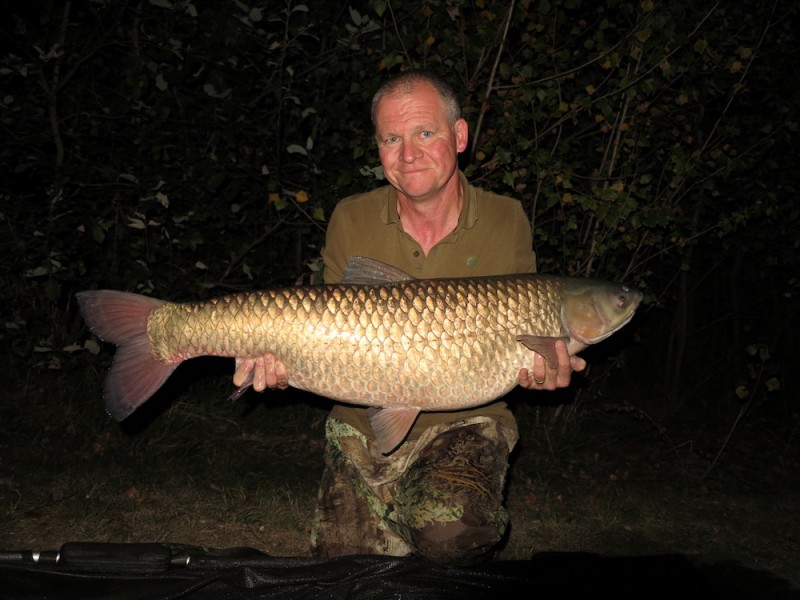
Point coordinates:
[(262, 372)]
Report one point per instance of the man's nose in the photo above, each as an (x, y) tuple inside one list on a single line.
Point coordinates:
[(409, 152)]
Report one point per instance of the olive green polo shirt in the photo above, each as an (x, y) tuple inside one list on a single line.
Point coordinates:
[(493, 237)]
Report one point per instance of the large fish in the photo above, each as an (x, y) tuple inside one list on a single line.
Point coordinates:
[(380, 339)]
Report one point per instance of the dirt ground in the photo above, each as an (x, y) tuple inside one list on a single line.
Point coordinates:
[(206, 472)]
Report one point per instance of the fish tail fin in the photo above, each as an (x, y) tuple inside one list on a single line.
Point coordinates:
[(121, 318)]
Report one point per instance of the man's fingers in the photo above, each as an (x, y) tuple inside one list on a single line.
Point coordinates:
[(244, 371), (281, 377), (260, 375), (577, 363), (539, 371), (261, 372)]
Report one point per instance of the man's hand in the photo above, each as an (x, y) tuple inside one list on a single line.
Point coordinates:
[(549, 377), (264, 372)]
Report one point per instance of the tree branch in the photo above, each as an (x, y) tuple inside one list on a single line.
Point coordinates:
[(490, 84)]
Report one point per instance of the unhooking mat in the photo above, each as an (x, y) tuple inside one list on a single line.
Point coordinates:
[(88, 571)]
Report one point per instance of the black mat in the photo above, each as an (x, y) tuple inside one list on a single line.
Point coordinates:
[(166, 571)]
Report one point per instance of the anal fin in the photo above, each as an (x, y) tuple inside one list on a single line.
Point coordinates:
[(391, 425)]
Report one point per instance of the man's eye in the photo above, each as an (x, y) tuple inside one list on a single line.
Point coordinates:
[(391, 139), (426, 134)]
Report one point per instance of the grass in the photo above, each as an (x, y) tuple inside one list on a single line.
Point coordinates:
[(205, 472)]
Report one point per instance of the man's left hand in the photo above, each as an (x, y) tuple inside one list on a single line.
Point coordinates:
[(550, 377)]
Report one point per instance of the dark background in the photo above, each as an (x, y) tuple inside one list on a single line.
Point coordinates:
[(186, 150)]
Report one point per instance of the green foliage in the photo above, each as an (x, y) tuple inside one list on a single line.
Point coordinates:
[(186, 149)]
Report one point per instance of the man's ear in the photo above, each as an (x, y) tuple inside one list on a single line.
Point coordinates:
[(462, 135)]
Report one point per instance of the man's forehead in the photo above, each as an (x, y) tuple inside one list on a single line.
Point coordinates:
[(418, 103)]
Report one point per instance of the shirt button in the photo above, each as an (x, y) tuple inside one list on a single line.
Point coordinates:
[(416, 254)]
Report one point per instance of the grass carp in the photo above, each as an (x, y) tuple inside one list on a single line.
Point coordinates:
[(379, 339)]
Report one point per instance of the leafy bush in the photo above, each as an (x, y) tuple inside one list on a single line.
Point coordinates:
[(185, 150)]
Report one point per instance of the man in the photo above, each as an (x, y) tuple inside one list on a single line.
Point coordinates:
[(439, 495)]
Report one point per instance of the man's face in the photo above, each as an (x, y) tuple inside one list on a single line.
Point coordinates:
[(418, 147)]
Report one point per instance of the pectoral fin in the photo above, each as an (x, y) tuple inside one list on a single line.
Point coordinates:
[(391, 425), (546, 346)]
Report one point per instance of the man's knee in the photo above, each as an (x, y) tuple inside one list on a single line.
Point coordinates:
[(450, 501), (456, 542)]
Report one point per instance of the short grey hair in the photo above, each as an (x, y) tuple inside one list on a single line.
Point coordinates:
[(404, 83)]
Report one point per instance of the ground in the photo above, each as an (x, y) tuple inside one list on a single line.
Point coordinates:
[(204, 471)]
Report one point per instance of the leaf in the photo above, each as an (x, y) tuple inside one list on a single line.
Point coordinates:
[(700, 46), (301, 196), (52, 290), (212, 91), (161, 3), (215, 181), (644, 34), (296, 149), (37, 272)]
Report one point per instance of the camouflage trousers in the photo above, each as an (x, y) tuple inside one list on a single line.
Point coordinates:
[(439, 497)]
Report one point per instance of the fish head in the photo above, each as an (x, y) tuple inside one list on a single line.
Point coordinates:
[(593, 309)]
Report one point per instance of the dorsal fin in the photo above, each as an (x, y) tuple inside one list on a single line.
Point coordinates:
[(361, 270)]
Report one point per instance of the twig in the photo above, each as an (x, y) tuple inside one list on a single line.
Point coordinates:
[(736, 421), (397, 32), (490, 84), (267, 232)]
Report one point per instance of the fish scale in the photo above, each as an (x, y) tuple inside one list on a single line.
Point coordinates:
[(401, 346), (370, 344)]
